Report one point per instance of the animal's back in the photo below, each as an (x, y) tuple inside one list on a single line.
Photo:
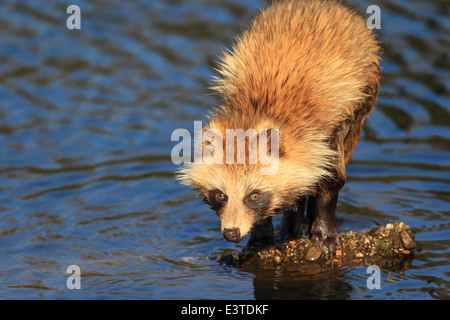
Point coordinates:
[(308, 61)]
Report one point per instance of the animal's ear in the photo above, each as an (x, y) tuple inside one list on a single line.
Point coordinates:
[(271, 139), (211, 137), (212, 146), (276, 135)]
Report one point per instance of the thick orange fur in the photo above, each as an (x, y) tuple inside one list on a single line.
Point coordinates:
[(310, 70)]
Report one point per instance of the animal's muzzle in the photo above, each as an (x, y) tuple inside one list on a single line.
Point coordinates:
[(233, 235)]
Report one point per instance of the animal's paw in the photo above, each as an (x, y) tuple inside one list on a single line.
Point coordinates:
[(328, 243), (264, 244)]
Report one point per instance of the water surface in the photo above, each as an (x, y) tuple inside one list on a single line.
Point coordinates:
[(86, 177)]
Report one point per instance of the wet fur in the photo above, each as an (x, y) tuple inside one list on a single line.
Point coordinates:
[(309, 69)]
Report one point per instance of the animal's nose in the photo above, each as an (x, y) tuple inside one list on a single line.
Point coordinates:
[(233, 235)]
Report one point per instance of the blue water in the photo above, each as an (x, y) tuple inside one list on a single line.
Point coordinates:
[(86, 177)]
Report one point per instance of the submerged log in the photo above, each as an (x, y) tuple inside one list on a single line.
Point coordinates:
[(382, 244)]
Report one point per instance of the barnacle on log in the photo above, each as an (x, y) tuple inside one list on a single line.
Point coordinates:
[(382, 243)]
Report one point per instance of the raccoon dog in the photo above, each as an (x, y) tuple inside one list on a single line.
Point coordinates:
[(308, 71)]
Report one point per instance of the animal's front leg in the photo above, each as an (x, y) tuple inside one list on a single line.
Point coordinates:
[(292, 220), (322, 207), (262, 235), (323, 230)]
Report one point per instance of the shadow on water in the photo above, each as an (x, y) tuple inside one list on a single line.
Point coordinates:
[(315, 284), (86, 177), (313, 280)]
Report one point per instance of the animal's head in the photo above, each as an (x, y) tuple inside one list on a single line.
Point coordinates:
[(243, 191)]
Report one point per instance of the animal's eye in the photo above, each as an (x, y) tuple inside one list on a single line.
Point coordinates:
[(220, 196), (254, 196), (258, 201)]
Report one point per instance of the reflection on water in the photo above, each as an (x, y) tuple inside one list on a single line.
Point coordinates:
[(86, 178)]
